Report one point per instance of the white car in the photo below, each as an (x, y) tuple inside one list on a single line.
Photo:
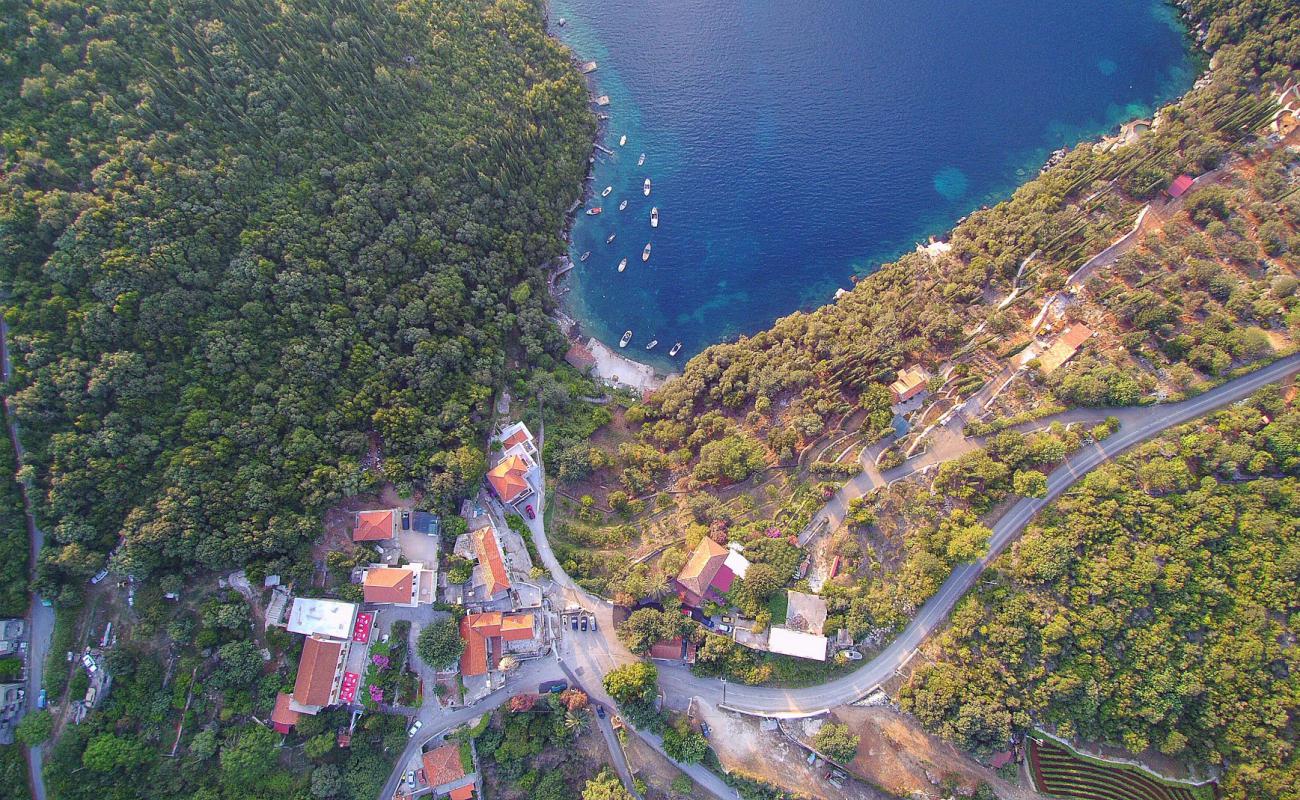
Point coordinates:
[(415, 728), (852, 655), (410, 777)]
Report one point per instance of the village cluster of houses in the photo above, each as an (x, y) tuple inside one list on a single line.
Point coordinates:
[(502, 623)]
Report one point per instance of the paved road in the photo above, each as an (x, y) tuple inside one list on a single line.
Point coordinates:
[(1141, 424), (585, 657), (40, 618)]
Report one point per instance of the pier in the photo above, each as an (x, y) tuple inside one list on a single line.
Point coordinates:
[(604, 150)]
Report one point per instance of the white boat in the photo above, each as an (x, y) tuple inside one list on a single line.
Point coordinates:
[(623, 140), (652, 344), (676, 348), (645, 187), (605, 192), (645, 254), (611, 238), (654, 217), (627, 337), (585, 256), (591, 212), (622, 205), (622, 265), (640, 162)]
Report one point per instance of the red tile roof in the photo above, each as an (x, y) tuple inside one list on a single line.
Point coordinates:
[(701, 568), (283, 718), (581, 357), (667, 648), (465, 792), (489, 555), (442, 765), (473, 660), (388, 585), (316, 668), (1180, 185), (515, 438), (373, 526), (479, 629), (508, 479)]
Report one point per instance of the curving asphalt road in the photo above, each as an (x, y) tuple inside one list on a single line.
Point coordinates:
[(585, 662), (1142, 424)]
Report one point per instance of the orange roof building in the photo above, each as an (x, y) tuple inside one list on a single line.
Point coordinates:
[(283, 717), (465, 792), (1064, 348), (442, 765), (509, 479), (374, 526), (390, 585), (491, 571), (911, 382), (315, 686), (484, 635), (702, 572)]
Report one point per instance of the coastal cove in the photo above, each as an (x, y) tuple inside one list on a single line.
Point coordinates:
[(791, 147)]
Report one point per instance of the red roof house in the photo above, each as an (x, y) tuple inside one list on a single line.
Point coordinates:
[(492, 570), (374, 526), (442, 765), (283, 718), (509, 479), (705, 573), (1180, 185), (484, 635)]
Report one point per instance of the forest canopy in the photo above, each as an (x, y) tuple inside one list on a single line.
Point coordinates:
[(262, 256)]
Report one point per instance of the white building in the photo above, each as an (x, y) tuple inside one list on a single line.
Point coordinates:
[(331, 619)]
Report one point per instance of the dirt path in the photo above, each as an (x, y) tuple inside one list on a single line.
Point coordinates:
[(899, 756)]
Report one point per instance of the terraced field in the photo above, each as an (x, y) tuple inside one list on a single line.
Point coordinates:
[(1059, 772)]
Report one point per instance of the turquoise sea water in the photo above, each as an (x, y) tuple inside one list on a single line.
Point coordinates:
[(792, 145)]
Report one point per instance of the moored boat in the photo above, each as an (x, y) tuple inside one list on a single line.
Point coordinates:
[(675, 349), (591, 212), (653, 343), (627, 337), (622, 205), (623, 140), (640, 162), (645, 254), (605, 192), (654, 217), (645, 187), (585, 256), (611, 238), (622, 265)]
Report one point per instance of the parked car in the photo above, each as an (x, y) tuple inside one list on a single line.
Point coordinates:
[(406, 520), (852, 655), (421, 776), (99, 576), (575, 622), (552, 687), (40, 699), (593, 622), (582, 621), (705, 730), (724, 628), (528, 509), (89, 663), (600, 711), (410, 776), (415, 728)]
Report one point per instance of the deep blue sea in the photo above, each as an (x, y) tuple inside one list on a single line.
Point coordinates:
[(791, 145)]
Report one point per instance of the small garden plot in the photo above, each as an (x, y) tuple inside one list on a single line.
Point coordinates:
[(1060, 772)]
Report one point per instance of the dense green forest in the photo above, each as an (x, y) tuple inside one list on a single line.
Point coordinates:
[(248, 247), (14, 545), (1154, 606)]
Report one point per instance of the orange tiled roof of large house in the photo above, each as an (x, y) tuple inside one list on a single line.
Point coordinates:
[(492, 567), (315, 687), (442, 765), (911, 382), (465, 792), (484, 634), (374, 526), (509, 479), (1064, 348), (707, 572), (283, 717), (389, 585)]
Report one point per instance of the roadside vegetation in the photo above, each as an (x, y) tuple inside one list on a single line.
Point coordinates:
[(1177, 564)]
